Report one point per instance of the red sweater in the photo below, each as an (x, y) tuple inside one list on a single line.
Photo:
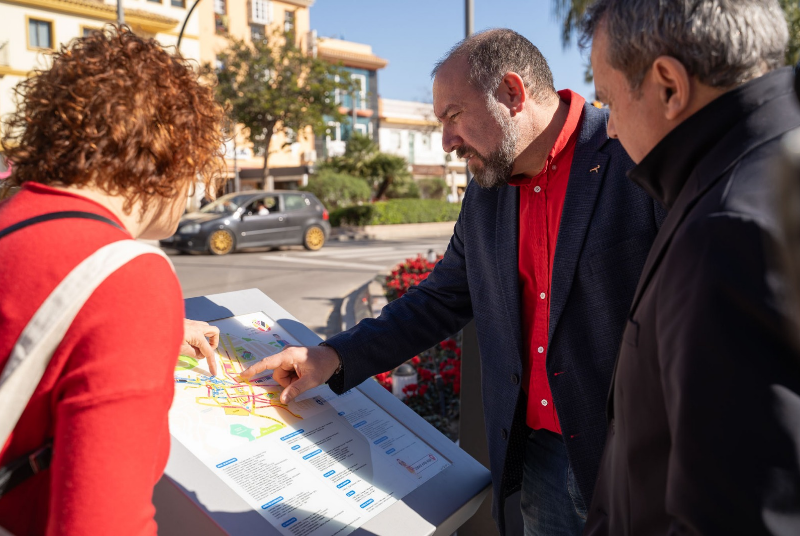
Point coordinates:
[(105, 396)]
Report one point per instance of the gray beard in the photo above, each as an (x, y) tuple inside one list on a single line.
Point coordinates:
[(497, 166)]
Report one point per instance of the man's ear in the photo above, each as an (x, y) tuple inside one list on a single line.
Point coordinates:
[(511, 93), (673, 86)]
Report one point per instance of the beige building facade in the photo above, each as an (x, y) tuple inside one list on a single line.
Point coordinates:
[(219, 20), (410, 129), (31, 28)]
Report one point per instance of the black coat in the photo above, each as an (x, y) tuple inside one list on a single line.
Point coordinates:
[(704, 411)]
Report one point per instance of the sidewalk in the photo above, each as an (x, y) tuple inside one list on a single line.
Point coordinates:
[(393, 232)]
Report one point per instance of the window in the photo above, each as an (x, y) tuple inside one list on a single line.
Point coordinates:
[(361, 128), (155, 1), (288, 21), (337, 98), (395, 140), (86, 32), (259, 11), (262, 206), (40, 33), (258, 32), (294, 202), (334, 132), (220, 7), (178, 3), (361, 90)]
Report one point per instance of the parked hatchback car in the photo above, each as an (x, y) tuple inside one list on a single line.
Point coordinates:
[(252, 219)]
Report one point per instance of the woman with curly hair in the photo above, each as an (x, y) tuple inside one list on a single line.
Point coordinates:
[(120, 129)]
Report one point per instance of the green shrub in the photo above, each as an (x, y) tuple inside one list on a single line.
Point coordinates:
[(433, 188), (356, 215), (337, 190), (397, 211), (403, 188)]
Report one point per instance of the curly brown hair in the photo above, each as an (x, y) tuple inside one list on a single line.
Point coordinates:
[(118, 112)]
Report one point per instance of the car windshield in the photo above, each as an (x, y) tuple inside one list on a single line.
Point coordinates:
[(227, 204)]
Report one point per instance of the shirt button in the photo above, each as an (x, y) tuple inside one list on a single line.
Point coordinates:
[(514, 379), (544, 402), (504, 434), (537, 189), (540, 349), (541, 295), (553, 167)]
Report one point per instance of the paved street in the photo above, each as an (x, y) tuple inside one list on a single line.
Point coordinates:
[(308, 284)]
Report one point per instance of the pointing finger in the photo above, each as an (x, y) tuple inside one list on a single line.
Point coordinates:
[(209, 353), (268, 363)]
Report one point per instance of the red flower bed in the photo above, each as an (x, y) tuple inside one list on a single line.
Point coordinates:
[(435, 396), (411, 272)]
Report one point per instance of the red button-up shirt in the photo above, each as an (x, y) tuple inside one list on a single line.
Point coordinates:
[(541, 201)]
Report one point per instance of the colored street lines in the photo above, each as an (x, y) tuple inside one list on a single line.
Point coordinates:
[(233, 396)]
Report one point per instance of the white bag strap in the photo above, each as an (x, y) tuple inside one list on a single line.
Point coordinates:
[(40, 338)]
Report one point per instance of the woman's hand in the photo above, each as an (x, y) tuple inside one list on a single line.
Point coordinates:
[(199, 341)]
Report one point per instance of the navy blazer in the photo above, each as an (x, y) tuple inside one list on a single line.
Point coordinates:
[(607, 227)]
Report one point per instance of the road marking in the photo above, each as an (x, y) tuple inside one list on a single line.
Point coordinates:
[(359, 252), (320, 262), (345, 253)]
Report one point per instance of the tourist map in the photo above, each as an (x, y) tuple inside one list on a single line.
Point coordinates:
[(321, 465)]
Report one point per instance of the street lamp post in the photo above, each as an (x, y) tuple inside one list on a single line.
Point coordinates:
[(469, 17), (183, 27), (120, 13)]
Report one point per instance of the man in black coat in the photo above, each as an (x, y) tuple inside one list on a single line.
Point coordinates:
[(704, 410)]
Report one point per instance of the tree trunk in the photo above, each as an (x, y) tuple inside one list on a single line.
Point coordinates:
[(382, 188), (267, 181)]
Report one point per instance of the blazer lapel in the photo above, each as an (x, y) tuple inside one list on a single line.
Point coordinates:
[(507, 258), (586, 176)]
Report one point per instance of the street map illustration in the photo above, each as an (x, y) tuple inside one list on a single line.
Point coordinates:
[(322, 465), (243, 341)]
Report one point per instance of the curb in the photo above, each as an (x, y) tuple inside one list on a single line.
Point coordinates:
[(393, 232)]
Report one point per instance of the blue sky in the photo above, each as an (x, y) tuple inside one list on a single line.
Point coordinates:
[(414, 34)]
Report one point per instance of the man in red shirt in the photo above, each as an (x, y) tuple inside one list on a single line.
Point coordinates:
[(545, 256)]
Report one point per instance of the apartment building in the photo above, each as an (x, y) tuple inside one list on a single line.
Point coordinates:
[(219, 20), (410, 129), (360, 107), (33, 27)]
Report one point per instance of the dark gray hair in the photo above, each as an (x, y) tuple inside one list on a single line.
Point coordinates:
[(724, 43), (493, 53)]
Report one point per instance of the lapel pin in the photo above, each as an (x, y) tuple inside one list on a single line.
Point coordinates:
[(595, 169)]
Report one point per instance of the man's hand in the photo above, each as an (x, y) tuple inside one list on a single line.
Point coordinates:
[(297, 369), (199, 341)]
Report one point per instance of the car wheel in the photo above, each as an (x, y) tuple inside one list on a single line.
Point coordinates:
[(220, 242), (314, 238)]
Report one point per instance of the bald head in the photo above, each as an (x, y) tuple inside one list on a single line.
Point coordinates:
[(490, 54)]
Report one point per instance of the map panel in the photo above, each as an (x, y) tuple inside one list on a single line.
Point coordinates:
[(321, 465)]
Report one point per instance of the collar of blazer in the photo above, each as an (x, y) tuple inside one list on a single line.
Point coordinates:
[(585, 179), (763, 110)]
